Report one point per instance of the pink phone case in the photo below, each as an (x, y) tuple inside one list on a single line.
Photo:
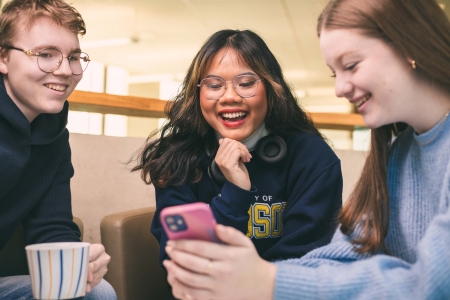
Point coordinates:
[(189, 221)]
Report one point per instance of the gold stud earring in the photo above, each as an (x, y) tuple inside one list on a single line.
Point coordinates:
[(413, 64)]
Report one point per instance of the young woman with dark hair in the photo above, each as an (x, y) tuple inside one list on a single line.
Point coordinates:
[(233, 101), (391, 59)]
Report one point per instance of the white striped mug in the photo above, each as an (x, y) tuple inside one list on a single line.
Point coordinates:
[(58, 270)]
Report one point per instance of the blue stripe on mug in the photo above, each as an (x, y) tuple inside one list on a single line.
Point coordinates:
[(81, 269), (40, 274), (62, 273)]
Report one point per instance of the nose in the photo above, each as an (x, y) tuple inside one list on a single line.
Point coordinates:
[(343, 88), (230, 95), (64, 68)]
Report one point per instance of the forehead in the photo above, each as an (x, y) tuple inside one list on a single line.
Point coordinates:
[(338, 39), (336, 43), (43, 30), (227, 60)]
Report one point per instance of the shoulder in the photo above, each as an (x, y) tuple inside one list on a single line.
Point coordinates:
[(62, 142), (308, 146), (58, 150), (304, 139)]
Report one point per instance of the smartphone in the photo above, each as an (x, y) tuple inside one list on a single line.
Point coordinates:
[(189, 221)]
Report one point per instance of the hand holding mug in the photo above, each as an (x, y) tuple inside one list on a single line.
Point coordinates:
[(98, 261)]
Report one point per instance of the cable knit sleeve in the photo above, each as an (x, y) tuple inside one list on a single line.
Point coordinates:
[(337, 272)]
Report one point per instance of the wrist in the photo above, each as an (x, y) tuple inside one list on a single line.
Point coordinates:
[(268, 274), (246, 186), (242, 184)]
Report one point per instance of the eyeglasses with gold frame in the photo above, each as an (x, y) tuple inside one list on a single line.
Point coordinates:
[(50, 59)]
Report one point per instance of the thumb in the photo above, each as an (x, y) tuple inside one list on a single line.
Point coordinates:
[(232, 236)]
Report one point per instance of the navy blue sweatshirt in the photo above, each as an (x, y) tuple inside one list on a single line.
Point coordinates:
[(290, 210), (35, 172)]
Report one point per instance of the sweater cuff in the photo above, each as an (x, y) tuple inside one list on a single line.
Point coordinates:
[(236, 199)]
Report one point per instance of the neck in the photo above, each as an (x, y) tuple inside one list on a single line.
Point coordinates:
[(428, 108)]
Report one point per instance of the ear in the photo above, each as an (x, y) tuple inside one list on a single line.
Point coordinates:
[(3, 61)]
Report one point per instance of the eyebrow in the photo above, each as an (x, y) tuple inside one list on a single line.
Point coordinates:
[(217, 76), (40, 47), (346, 53)]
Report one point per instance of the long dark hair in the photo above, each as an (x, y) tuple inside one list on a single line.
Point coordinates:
[(420, 31), (173, 158)]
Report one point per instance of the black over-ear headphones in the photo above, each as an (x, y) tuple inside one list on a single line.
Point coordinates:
[(270, 149)]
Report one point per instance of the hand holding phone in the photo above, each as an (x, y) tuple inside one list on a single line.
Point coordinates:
[(189, 221)]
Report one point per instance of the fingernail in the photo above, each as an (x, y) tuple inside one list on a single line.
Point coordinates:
[(169, 249), (170, 243)]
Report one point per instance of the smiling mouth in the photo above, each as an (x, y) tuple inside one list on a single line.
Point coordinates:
[(235, 116), (362, 101), (56, 87)]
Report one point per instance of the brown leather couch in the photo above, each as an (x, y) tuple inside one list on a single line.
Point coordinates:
[(134, 271), (13, 260)]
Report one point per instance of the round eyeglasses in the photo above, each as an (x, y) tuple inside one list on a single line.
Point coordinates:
[(50, 59), (214, 88)]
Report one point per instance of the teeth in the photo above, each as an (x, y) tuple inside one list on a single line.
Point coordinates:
[(56, 87), (233, 115), (361, 101)]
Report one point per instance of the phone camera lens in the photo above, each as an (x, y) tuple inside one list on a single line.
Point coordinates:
[(176, 223)]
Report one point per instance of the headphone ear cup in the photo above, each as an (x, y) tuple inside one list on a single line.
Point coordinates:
[(215, 173), (271, 149)]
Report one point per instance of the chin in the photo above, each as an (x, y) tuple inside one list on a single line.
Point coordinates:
[(54, 108), (235, 136), (373, 123)]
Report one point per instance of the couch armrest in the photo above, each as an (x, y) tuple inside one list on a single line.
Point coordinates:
[(134, 270)]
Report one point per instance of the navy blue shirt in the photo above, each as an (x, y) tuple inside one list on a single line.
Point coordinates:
[(35, 172), (291, 208)]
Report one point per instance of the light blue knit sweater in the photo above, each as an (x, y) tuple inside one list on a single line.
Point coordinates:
[(418, 238)]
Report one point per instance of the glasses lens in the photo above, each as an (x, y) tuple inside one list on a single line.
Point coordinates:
[(49, 59), (212, 88), (246, 85), (78, 62)]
